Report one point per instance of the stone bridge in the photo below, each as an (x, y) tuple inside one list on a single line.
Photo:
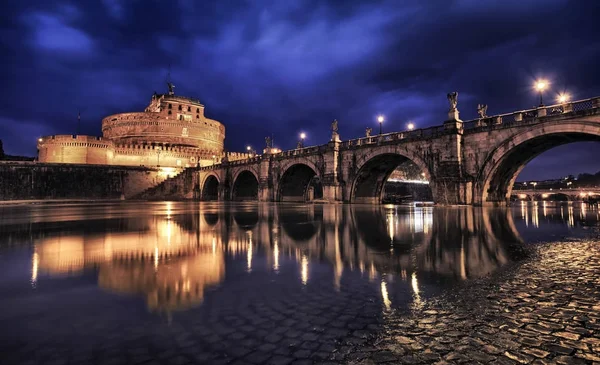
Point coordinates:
[(472, 162), (544, 194)]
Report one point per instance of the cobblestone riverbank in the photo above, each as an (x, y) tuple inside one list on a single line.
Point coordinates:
[(545, 311)]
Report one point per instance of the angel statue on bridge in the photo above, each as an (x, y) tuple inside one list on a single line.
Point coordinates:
[(334, 126), (453, 100), (482, 110), (368, 132), (268, 142)]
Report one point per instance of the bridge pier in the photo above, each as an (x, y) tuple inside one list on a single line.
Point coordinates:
[(332, 193), (452, 191)]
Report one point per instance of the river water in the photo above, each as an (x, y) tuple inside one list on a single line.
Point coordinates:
[(183, 282)]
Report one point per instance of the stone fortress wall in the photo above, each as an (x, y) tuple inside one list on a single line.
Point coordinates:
[(171, 132)]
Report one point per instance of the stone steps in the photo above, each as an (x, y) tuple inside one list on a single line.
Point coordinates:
[(176, 187)]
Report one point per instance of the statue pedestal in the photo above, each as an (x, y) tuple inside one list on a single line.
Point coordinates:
[(335, 137), (453, 121), (453, 115)]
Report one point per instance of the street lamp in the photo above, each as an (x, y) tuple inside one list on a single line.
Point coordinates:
[(380, 119), (214, 159), (302, 137), (411, 126), (540, 86), (563, 98)]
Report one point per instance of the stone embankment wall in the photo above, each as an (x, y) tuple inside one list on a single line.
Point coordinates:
[(30, 181)]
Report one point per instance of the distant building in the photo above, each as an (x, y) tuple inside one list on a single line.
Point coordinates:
[(171, 132)]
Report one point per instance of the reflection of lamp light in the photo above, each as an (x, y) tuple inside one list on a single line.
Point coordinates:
[(304, 269), (384, 295)]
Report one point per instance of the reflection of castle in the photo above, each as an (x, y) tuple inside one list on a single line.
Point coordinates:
[(167, 264), (173, 285), (171, 132)]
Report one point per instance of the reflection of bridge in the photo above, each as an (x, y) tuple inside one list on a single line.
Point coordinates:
[(567, 194), (473, 162), (172, 258)]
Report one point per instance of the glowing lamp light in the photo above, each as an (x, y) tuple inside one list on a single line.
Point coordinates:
[(302, 135), (248, 148), (380, 119), (40, 140), (544, 196), (541, 85), (563, 98), (411, 126), (583, 194), (522, 196)]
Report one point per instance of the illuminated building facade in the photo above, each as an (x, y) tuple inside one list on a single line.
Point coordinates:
[(171, 132)]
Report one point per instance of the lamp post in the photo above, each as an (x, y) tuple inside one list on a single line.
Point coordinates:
[(380, 119), (411, 126), (540, 86), (214, 159), (249, 149), (302, 137)]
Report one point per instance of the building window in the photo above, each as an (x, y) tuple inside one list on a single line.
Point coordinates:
[(170, 106), (197, 117), (197, 110), (180, 107), (189, 109), (169, 112)]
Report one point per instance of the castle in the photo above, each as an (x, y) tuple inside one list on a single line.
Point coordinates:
[(171, 132)]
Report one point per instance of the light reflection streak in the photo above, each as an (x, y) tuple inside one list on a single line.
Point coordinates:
[(384, 295), (249, 253), (34, 268), (544, 205), (417, 295), (534, 215), (304, 270), (524, 213), (571, 219), (276, 256)]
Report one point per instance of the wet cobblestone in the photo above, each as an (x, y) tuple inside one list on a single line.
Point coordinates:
[(546, 311)]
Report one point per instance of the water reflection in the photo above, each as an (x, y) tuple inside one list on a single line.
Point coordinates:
[(171, 253)]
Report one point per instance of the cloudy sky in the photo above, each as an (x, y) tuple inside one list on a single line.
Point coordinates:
[(277, 67)]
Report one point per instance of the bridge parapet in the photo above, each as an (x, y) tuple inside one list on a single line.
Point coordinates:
[(424, 133), (532, 115)]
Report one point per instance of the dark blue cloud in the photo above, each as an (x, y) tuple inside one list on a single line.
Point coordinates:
[(281, 67)]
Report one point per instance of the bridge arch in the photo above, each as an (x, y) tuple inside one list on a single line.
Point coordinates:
[(245, 185), (504, 164), (296, 177), (373, 170), (210, 187)]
